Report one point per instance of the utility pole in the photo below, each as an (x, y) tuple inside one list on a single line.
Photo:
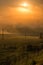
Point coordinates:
[(2, 33), (25, 36)]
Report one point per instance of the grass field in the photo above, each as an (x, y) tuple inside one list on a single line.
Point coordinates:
[(21, 50)]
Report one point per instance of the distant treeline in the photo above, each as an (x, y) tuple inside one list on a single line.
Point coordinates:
[(22, 30)]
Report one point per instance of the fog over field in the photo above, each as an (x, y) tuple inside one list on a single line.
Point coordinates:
[(20, 29)]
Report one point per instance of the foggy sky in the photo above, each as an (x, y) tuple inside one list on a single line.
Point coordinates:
[(8, 14)]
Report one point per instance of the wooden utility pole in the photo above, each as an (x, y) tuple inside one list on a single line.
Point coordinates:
[(2, 33), (24, 35)]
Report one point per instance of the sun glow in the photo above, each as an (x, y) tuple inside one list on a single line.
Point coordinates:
[(24, 4), (24, 7)]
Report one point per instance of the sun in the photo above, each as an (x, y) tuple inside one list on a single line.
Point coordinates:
[(24, 4)]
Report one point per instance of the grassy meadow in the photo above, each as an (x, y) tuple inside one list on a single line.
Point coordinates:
[(21, 50)]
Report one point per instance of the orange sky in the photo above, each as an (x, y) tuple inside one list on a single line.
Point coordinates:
[(15, 14)]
